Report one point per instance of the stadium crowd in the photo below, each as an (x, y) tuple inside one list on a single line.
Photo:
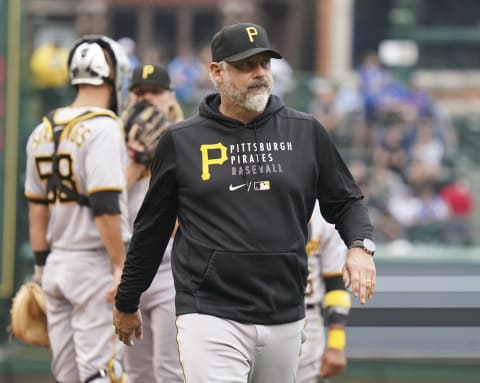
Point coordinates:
[(400, 146)]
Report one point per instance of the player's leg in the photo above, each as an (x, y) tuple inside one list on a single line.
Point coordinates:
[(312, 348), (138, 358), (92, 318), (277, 353), (60, 332), (214, 350), (166, 362)]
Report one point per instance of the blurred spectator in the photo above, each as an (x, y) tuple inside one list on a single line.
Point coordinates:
[(419, 98), (387, 229), (359, 171), (426, 155), (392, 104), (350, 108), (421, 208), (431, 219), (50, 74), (349, 98), (130, 47), (377, 191), (385, 185), (204, 84), (459, 197), (323, 107), (186, 70), (447, 130), (373, 81), (283, 77), (430, 207), (391, 150), (153, 55)]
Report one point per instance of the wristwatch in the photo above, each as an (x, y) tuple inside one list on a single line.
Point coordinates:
[(366, 244)]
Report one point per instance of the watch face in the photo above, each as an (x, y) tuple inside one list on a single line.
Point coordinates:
[(369, 245)]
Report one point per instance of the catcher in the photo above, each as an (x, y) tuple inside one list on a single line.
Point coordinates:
[(153, 108), (78, 227)]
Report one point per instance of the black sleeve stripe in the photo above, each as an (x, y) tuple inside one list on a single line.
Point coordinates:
[(105, 202), (41, 257), (335, 318)]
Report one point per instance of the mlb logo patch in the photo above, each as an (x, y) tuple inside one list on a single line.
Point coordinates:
[(261, 185)]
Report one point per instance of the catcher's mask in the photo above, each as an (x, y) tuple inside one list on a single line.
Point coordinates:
[(87, 64)]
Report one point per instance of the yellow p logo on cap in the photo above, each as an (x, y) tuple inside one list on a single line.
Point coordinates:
[(147, 70), (251, 32)]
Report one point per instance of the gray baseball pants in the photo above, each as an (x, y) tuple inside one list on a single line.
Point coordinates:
[(217, 350)]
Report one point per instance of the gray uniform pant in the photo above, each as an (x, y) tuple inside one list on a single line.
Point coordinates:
[(154, 358), (312, 348), (79, 318), (216, 350)]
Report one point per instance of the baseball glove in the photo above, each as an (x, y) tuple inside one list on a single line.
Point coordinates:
[(28, 315), (144, 125)]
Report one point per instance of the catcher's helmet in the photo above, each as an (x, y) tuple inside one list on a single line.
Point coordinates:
[(87, 64)]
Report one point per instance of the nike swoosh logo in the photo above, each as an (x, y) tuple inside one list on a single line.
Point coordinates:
[(232, 188)]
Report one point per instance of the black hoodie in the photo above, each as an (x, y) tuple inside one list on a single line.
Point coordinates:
[(243, 195)]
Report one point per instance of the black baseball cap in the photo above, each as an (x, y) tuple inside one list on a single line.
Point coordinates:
[(151, 74), (239, 41)]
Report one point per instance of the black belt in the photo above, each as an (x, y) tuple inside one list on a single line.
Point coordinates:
[(311, 306), (102, 373)]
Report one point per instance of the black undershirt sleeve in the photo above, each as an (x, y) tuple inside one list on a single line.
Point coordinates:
[(41, 257), (104, 202)]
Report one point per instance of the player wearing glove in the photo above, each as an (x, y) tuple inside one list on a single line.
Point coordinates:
[(154, 358), (75, 185), (145, 124), (326, 256)]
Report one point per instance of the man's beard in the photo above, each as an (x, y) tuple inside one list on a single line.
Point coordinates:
[(242, 98)]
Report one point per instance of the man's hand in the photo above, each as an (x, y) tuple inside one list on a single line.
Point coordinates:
[(126, 325), (359, 272), (333, 362)]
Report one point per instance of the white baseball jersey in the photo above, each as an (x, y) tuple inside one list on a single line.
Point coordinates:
[(326, 255), (136, 193), (91, 157)]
